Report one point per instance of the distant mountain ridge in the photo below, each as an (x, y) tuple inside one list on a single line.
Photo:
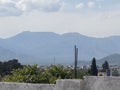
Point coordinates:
[(113, 59), (44, 47)]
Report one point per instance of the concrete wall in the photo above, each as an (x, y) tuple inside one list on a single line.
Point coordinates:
[(89, 83), (68, 84), (102, 83), (25, 86)]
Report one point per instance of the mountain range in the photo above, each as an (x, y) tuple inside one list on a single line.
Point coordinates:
[(48, 47), (113, 59)]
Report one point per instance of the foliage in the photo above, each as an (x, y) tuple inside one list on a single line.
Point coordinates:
[(7, 67), (81, 73), (27, 74), (13, 71), (58, 72), (33, 74), (115, 73), (94, 70), (105, 66)]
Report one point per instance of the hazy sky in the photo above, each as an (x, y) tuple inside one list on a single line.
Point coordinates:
[(97, 18)]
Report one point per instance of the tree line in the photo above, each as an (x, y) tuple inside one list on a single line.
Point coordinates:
[(6, 67), (13, 71)]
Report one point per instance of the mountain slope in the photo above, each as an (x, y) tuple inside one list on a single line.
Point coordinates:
[(44, 46), (113, 59), (6, 54)]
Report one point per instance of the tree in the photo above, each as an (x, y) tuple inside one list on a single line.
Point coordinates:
[(8, 66), (33, 74), (57, 72), (94, 70), (1, 68), (27, 74), (105, 66), (82, 72), (115, 72)]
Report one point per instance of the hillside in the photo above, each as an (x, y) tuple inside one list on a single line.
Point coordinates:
[(44, 47), (6, 54), (113, 59)]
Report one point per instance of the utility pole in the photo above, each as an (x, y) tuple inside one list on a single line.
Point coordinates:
[(76, 60), (54, 60)]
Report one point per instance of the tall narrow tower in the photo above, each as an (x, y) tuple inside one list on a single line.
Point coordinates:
[(76, 60)]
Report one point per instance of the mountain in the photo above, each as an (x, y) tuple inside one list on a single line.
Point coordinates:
[(113, 59), (47, 47), (6, 54)]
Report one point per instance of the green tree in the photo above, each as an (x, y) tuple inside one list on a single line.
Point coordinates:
[(115, 73), (1, 68), (94, 70), (8, 66), (27, 74), (57, 72), (33, 74), (105, 66), (82, 73)]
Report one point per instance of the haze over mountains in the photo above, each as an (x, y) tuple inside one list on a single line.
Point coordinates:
[(47, 47)]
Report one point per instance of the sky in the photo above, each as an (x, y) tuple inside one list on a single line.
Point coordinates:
[(95, 18)]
